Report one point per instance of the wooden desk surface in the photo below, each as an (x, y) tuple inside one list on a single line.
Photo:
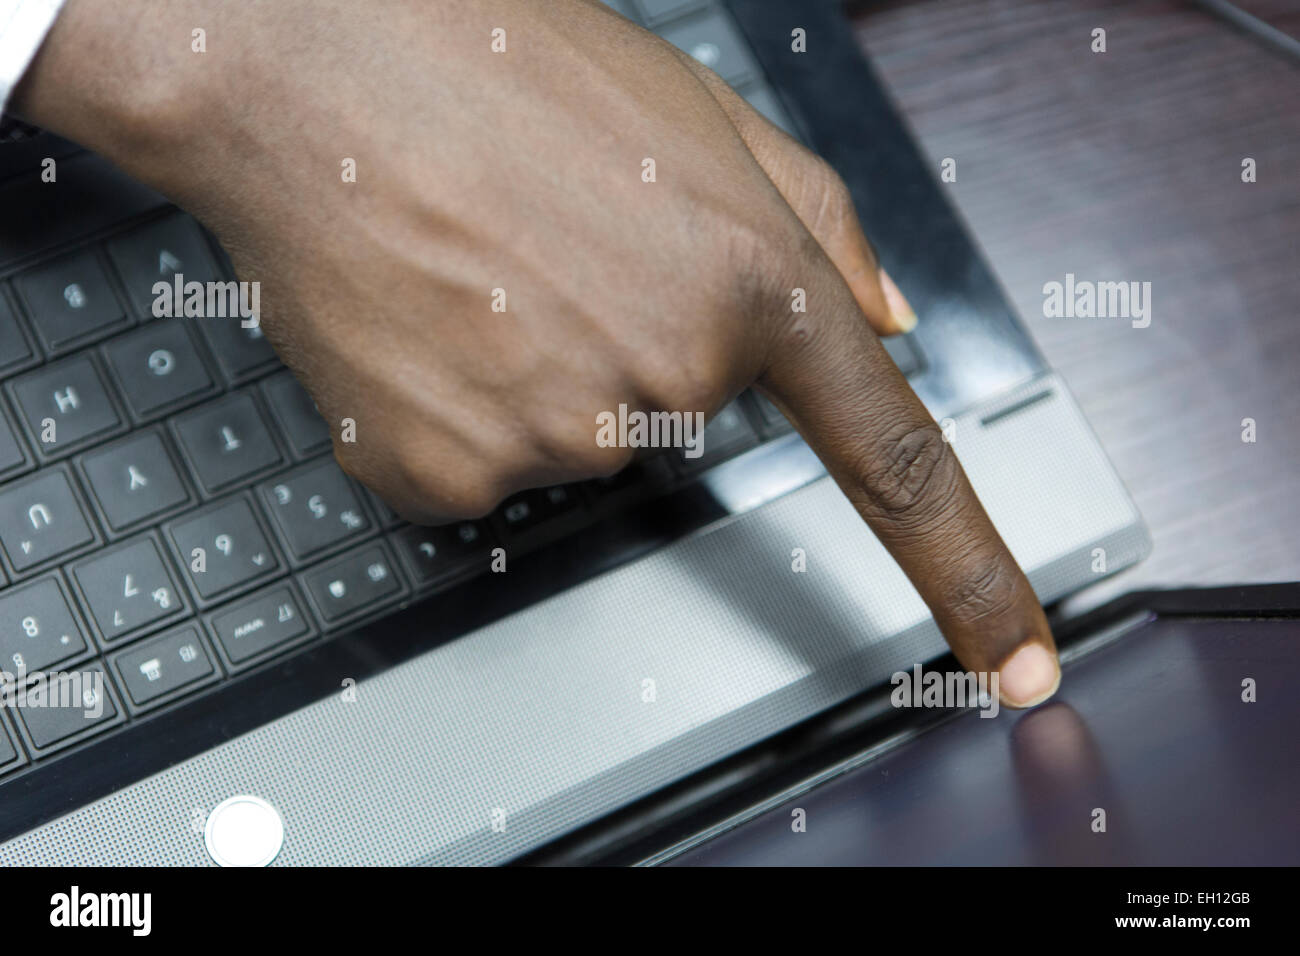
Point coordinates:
[(1127, 166)]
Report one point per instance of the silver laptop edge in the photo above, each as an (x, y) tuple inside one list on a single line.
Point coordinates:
[(492, 745)]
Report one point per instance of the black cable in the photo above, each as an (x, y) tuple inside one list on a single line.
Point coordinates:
[(1253, 25)]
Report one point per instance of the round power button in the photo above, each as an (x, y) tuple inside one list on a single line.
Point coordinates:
[(244, 831)]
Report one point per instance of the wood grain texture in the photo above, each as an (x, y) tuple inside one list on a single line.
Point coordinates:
[(1127, 166)]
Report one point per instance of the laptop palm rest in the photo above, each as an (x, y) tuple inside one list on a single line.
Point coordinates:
[(489, 746)]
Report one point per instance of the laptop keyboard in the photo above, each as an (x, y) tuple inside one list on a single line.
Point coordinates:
[(171, 514)]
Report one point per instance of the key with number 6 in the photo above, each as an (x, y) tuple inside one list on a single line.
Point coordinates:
[(223, 549)]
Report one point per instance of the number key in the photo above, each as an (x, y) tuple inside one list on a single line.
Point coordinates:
[(127, 588), (133, 479), (315, 508), (300, 422), (222, 548), (38, 627), (353, 584), (40, 519), (253, 627), (70, 300), (530, 509), (76, 704), (226, 441), (164, 667), (158, 367), (437, 554), (240, 351), (159, 252)]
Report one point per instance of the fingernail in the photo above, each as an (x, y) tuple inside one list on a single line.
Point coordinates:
[(902, 312), (1029, 677)]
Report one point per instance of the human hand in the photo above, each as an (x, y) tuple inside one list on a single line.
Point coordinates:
[(523, 171)]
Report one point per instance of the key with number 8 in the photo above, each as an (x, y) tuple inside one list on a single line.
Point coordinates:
[(38, 627)]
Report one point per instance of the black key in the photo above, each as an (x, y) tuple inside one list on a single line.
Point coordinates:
[(299, 420), (8, 754), (158, 368), (438, 554), (352, 584), (41, 519), (12, 456), (70, 301), (388, 518), (529, 509), (226, 441), (728, 434), (315, 507), (127, 588), (258, 625), (38, 627), (657, 11), (15, 350), (239, 351), (714, 41), (134, 479), (65, 405), (902, 349), (84, 201), (647, 476), (165, 666), (233, 549), (157, 253), (76, 704)]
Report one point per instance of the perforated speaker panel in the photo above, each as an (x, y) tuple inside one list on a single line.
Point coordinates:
[(489, 746)]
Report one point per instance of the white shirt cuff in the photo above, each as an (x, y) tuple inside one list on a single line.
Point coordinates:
[(23, 25)]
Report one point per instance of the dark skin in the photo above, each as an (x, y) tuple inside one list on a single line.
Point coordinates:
[(523, 171)]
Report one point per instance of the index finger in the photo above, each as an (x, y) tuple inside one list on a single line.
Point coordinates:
[(829, 373)]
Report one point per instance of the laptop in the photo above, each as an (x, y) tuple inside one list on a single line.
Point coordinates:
[(369, 692), (1170, 744)]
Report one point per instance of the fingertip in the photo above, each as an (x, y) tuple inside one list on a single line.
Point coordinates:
[(900, 309), (1029, 676)]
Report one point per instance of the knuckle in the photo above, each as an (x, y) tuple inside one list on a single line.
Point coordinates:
[(364, 469), (980, 589), (785, 266), (836, 215), (459, 499), (351, 463), (410, 470), (913, 477), (570, 447), (692, 389), (801, 333), (836, 201), (470, 503), (772, 257), (595, 461), (685, 382), (426, 489)]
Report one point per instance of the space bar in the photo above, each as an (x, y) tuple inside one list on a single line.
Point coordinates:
[(91, 195)]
